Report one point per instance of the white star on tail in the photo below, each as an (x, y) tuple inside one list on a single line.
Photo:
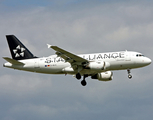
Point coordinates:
[(19, 51)]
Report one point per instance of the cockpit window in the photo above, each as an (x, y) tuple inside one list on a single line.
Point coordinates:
[(139, 55)]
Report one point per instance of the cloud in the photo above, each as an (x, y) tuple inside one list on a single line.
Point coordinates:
[(93, 27)]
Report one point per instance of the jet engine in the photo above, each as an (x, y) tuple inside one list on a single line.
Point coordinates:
[(99, 65), (96, 65), (103, 76)]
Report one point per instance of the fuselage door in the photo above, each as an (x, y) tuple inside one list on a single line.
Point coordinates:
[(36, 63), (127, 56), (121, 56)]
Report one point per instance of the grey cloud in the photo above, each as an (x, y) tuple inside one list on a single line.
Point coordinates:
[(97, 28)]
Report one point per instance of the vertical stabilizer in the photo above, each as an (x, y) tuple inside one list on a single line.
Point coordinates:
[(17, 49)]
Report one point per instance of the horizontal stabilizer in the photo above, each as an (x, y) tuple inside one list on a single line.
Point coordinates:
[(12, 61)]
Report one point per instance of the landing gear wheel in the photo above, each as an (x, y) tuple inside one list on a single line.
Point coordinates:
[(129, 76), (78, 76), (83, 83)]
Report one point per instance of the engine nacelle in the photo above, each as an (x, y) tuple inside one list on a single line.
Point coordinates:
[(96, 65), (106, 66), (103, 76)]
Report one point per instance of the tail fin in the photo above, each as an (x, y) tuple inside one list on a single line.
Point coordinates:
[(17, 49)]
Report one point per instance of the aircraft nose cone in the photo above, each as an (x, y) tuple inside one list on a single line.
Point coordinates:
[(148, 61)]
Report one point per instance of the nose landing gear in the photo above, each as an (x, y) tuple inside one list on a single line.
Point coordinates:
[(129, 75)]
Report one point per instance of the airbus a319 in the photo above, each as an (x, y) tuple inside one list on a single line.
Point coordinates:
[(97, 66)]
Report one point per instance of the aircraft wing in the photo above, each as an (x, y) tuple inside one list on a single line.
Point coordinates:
[(67, 56)]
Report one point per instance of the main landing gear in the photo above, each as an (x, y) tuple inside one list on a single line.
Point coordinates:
[(83, 82), (129, 75), (78, 76)]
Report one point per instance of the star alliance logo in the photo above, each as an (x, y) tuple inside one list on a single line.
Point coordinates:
[(19, 51)]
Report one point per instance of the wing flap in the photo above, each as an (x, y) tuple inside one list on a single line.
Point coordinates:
[(12, 61)]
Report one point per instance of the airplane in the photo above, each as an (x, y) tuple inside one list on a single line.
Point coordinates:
[(97, 65)]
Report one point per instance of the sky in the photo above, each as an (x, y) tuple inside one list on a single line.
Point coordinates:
[(79, 26)]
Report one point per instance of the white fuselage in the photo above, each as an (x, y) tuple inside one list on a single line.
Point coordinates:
[(56, 65)]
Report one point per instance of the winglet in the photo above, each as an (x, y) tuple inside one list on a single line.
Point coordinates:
[(49, 46)]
